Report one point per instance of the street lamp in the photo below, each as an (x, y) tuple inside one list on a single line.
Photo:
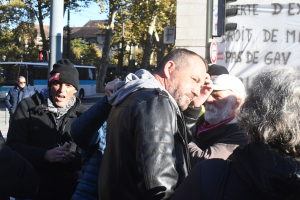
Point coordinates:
[(3, 58), (81, 59)]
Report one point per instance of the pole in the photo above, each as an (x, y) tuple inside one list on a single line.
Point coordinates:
[(122, 50), (209, 21), (56, 32), (6, 113), (68, 45)]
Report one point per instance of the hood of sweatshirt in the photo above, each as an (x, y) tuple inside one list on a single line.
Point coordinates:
[(142, 79)]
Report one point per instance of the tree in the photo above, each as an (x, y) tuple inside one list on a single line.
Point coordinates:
[(146, 23), (16, 30), (114, 7), (41, 9)]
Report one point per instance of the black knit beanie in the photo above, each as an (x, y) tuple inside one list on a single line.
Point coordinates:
[(217, 70), (64, 72)]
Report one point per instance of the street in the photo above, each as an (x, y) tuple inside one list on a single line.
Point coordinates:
[(88, 102)]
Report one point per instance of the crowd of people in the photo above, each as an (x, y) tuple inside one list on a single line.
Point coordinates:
[(185, 131)]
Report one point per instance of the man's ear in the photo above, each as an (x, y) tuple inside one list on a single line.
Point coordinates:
[(169, 68), (237, 103)]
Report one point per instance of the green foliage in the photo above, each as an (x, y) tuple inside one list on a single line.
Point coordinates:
[(83, 54), (17, 32)]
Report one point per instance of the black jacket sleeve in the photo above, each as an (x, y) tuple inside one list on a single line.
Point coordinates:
[(191, 117), (18, 137), (18, 177), (84, 130), (155, 147)]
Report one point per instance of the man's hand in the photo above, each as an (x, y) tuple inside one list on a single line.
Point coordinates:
[(61, 154), (205, 91), (109, 88)]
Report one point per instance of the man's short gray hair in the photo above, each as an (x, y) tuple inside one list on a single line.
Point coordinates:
[(271, 111)]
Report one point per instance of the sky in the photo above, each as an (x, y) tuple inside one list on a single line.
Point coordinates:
[(79, 19)]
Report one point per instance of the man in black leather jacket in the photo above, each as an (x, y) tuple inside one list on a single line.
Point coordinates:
[(146, 156)]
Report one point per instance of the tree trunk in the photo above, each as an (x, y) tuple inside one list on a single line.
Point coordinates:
[(42, 32), (106, 49), (161, 47), (147, 50)]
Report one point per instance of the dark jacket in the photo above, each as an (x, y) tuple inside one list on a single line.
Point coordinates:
[(146, 156), (89, 133), (31, 134), (256, 172), (14, 97), (17, 176), (218, 143)]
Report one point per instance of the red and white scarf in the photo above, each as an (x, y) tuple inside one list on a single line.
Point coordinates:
[(206, 127)]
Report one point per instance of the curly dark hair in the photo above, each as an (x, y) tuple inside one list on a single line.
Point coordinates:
[(271, 111)]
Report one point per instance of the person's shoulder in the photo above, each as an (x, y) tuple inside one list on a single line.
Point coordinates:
[(33, 100), (79, 107), (12, 89), (148, 93), (211, 168)]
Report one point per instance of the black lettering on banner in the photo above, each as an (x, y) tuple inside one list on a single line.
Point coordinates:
[(277, 8), (239, 56), (227, 56), (267, 35), (285, 60), (246, 9), (243, 9), (255, 57), (243, 35), (268, 60), (233, 56), (237, 35), (249, 33), (249, 57), (230, 35), (291, 33), (254, 9), (290, 9), (277, 58), (252, 57)]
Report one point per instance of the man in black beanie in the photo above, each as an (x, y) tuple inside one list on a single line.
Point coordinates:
[(40, 132)]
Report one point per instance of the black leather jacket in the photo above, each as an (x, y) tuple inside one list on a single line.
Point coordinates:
[(146, 156)]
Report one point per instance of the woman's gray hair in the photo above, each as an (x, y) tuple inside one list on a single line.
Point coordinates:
[(271, 111)]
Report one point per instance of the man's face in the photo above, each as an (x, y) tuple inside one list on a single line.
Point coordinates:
[(185, 83), (62, 93), (219, 106), (22, 82)]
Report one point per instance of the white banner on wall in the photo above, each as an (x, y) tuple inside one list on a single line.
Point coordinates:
[(266, 35)]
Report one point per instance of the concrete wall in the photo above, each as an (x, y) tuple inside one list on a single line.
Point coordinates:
[(191, 22), (191, 25)]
